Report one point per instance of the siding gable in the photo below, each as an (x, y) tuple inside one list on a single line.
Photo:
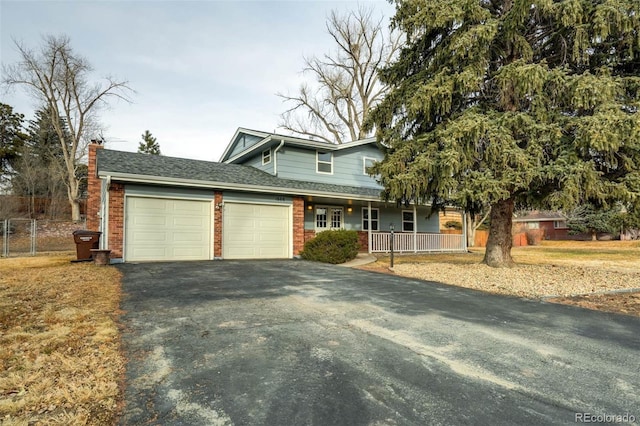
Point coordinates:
[(243, 142), (348, 165)]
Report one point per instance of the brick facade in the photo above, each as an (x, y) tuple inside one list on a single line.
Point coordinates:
[(217, 225), (93, 189), (116, 219), (309, 234), (298, 225), (363, 240)]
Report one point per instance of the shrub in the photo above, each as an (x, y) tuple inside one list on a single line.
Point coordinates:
[(332, 247)]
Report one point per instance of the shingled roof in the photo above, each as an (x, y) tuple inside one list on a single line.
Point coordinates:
[(131, 166)]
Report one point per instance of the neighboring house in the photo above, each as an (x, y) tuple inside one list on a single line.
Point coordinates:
[(552, 224), (268, 195)]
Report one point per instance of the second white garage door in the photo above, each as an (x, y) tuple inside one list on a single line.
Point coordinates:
[(167, 229), (256, 231)]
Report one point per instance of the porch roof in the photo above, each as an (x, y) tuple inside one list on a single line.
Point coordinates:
[(173, 171)]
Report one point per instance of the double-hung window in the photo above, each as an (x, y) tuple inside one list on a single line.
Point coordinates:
[(329, 218), (375, 218), (324, 162), (266, 156), (408, 221)]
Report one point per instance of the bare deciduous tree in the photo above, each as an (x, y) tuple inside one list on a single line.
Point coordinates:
[(60, 78), (346, 81)]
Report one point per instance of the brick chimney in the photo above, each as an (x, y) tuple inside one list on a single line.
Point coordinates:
[(93, 187)]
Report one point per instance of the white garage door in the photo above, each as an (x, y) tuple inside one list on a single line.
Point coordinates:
[(167, 229), (255, 231)]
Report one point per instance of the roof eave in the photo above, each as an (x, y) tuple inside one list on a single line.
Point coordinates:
[(159, 180), (293, 141), (231, 144)]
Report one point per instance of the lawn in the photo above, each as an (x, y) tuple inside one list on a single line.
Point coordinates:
[(60, 359)]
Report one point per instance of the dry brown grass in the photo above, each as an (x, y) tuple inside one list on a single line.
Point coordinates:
[(606, 255), (577, 271), (60, 360)]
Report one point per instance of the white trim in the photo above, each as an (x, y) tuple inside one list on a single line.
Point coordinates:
[(268, 150), (134, 178), (370, 220), (402, 220), (415, 228), (264, 203), (364, 164), (318, 162), (170, 197), (329, 227), (291, 140), (236, 134)]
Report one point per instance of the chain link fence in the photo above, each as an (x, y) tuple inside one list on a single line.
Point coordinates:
[(27, 237)]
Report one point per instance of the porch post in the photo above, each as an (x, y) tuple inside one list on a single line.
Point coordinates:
[(415, 229), (369, 226)]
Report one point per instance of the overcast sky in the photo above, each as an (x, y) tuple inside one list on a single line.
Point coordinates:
[(200, 69)]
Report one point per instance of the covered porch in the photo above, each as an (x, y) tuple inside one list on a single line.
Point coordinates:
[(415, 229)]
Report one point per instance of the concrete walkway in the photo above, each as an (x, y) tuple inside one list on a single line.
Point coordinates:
[(361, 259)]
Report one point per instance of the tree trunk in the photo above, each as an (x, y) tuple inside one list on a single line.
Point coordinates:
[(471, 230), (498, 252), (594, 236), (73, 194)]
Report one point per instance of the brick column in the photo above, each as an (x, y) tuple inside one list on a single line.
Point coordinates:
[(93, 188), (363, 240), (116, 219), (217, 226), (298, 225)]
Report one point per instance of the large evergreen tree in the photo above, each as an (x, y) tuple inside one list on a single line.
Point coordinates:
[(512, 102), (11, 140), (40, 172)]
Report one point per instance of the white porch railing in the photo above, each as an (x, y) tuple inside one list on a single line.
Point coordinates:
[(407, 242)]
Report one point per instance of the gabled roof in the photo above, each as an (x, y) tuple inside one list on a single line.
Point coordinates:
[(172, 171), (270, 138)]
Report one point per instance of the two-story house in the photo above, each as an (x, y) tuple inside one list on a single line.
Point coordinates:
[(266, 196)]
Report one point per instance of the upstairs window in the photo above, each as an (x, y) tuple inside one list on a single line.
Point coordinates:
[(367, 162), (324, 162), (266, 156)]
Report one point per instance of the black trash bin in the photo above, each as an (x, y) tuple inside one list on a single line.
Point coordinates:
[(85, 241)]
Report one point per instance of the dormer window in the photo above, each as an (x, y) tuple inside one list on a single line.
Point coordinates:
[(266, 156), (324, 162)]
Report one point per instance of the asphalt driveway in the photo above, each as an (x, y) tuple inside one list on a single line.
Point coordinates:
[(299, 343)]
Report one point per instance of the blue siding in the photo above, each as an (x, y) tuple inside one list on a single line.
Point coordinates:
[(243, 143), (348, 166), (387, 215), (256, 162)]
